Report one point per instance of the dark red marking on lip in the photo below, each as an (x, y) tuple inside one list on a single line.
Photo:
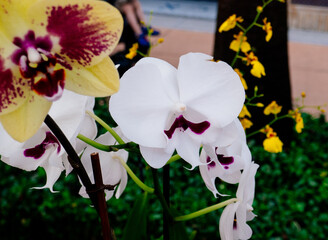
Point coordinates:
[(85, 37), (181, 122), (211, 164), (225, 161), (38, 151)]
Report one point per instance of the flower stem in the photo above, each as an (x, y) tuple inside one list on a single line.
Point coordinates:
[(205, 210), (134, 177), (173, 159), (106, 126)]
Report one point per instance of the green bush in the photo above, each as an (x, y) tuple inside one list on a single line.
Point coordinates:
[(291, 197)]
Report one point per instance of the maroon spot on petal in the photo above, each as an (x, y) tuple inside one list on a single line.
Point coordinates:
[(211, 164), (8, 91), (38, 151), (225, 161), (234, 226), (182, 123), (85, 37)]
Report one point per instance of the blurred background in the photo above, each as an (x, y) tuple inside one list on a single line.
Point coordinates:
[(292, 187)]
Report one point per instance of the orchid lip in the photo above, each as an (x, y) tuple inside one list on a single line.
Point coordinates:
[(38, 151), (183, 124)]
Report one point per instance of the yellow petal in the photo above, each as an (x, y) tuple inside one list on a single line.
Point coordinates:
[(100, 80), (84, 31), (25, 121)]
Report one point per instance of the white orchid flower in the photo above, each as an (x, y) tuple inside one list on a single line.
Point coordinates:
[(226, 162), (43, 149), (165, 109), (112, 170), (234, 217)]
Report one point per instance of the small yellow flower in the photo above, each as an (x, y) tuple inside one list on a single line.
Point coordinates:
[(267, 130), (322, 110), (268, 29), (230, 23), (160, 40), (272, 108), (259, 104), (246, 123), (298, 119), (258, 69), (273, 144), (303, 94), (243, 81), (259, 9), (240, 41), (244, 112), (132, 51)]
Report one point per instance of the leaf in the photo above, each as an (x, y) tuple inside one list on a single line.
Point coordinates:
[(136, 225)]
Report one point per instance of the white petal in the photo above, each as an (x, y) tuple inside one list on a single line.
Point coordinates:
[(227, 220), (210, 88), (246, 188), (156, 157), (243, 231), (186, 147), (144, 102)]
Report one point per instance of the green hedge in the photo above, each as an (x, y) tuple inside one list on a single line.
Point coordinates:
[(291, 197)]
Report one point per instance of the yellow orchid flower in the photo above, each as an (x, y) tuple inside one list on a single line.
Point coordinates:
[(240, 40), (132, 51), (246, 123), (272, 108), (230, 23), (242, 79), (48, 45), (268, 29), (298, 119), (273, 144), (257, 69), (244, 112)]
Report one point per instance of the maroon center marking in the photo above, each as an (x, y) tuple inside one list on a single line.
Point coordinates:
[(225, 161), (43, 79), (211, 164), (85, 37), (182, 123), (38, 151)]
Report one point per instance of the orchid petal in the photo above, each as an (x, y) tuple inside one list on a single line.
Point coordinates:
[(243, 230), (219, 96), (156, 157), (94, 28), (149, 102), (32, 113), (111, 169), (227, 221), (100, 80)]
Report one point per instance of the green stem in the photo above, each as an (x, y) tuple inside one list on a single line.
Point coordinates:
[(130, 146), (205, 210), (107, 127), (134, 177), (173, 159), (270, 123), (160, 195)]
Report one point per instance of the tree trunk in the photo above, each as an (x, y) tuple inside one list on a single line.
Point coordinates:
[(273, 55)]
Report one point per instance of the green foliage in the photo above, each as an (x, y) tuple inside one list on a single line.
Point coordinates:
[(291, 197)]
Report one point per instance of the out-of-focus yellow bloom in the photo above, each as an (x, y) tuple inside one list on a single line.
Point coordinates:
[(244, 112), (322, 110), (246, 123), (283, 1), (132, 51), (160, 40), (273, 144), (230, 23), (240, 41), (243, 81), (303, 94), (259, 9), (298, 119), (272, 108), (259, 104), (268, 29)]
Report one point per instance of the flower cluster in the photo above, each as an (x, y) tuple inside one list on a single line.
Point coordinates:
[(182, 109)]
